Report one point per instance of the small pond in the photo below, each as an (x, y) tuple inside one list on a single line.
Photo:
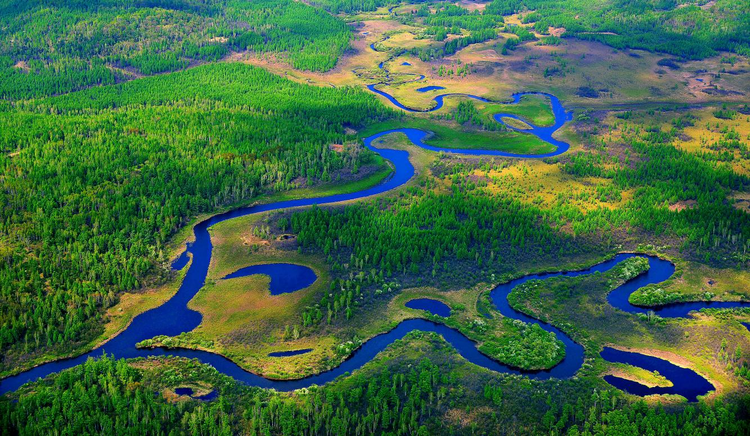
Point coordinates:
[(435, 307), (189, 392), (289, 353), (285, 277), (430, 88)]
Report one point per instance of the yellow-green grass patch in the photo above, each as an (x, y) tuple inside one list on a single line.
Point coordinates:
[(546, 186), (702, 282), (639, 375), (518, 124)]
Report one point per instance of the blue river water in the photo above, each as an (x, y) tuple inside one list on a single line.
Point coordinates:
[(435, 307), (182, 260), (285, 277), (174, 317), (685, 382)]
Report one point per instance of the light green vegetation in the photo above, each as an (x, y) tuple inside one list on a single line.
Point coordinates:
[(640, 375), (518, 124), (532, 108), (509, 341)]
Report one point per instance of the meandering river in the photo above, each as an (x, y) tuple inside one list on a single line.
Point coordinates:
[(174, 317)]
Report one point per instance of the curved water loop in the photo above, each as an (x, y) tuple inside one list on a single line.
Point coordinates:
[(685, 382), (174, 317), (284, 277)]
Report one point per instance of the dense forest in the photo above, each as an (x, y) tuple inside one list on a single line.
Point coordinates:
[(54, 47), (419, 231), (403, 397), (424, 230), (96, 182)]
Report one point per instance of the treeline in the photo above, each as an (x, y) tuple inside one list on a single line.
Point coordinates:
[(664, 26), (96, 182), (454, 45), (453, 19), (58, 47), (467, 114), (406, 398), (353, 6)]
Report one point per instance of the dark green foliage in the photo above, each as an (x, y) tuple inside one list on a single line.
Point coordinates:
[(455, 17), (587, 92), (669, 63), (466, 113), (452, 19), (351, 6), (51, 48), (406, 398), (420, 230), (96, 182), (454, 45), (107, 396)]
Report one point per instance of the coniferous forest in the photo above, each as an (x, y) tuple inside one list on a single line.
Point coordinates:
[(354, 217)]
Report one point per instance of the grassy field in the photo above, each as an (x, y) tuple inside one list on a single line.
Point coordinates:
[(535, 109), (245, 322), (696, 282)]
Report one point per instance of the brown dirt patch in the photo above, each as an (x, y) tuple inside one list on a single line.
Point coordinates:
[(22, 65), (472, 6), (464, 418), (682, 205), (556, 31)]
